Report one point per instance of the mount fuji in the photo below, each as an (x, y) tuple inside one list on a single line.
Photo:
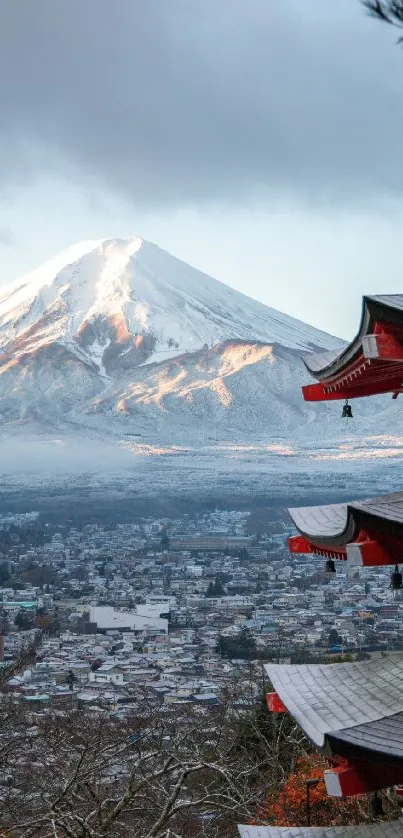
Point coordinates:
[(105, 300), (117, 339), (122, 330)]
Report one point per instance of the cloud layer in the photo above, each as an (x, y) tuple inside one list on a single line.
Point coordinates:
[(172, 102)]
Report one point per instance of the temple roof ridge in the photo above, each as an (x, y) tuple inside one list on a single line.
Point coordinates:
[(371, 363)]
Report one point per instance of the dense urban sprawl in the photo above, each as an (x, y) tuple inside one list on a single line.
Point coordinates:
[(178, 607)]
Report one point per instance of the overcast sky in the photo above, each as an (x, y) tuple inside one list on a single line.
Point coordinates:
[(261, 141)]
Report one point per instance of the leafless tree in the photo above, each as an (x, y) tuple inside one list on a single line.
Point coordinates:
[(161, 773)]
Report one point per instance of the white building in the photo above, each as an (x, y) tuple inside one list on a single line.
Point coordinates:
[(108, 619)]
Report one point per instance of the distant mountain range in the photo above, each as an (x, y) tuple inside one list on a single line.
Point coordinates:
[(120, 338)]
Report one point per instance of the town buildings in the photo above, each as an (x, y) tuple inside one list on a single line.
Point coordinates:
[(123, 608)]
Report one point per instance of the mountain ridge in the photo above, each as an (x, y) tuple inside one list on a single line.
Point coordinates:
[(119, 336), (138, 291)]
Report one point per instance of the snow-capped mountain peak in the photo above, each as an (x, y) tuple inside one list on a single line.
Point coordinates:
[(140, 299), (121, 337)]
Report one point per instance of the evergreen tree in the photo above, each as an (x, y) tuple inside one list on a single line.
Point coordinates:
[(4, 622), (4, 573), (164, 541), (71, 678), (218, 587), (335, 638), (23, 621), (242, 646)]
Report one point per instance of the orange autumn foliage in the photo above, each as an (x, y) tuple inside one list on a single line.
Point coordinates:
[(287, 807)]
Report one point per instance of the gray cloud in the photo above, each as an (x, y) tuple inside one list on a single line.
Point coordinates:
[(175, 101)]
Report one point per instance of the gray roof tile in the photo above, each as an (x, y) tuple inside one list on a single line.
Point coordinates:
[(384, 736), (337, 524), (386, 829), (346, 695)]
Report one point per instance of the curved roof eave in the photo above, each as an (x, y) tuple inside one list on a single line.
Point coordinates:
[(339, 524), (323, 365), (325, 525), (325, 699)]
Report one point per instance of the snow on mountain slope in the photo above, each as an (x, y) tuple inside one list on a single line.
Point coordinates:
[(117, 304), (120, 338), (115, 353), (234, 389)]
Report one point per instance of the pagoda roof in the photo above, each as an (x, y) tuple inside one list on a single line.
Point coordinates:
[(372, 363), (344, 706), (384, 829), (372, 736), (367, 532)]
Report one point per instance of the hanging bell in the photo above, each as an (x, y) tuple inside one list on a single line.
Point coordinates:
[(346, 413), (330, 566), (396, 579)]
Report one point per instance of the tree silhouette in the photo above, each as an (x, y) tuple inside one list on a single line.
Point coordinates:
[(216, 588), (4, 622), (23, 620), (335, 639), (4, 573), (164, 540), (242, 646), (389, 11)]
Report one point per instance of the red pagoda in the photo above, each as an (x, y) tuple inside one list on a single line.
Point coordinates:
[(352, 712), (372, 363), (366, 533)]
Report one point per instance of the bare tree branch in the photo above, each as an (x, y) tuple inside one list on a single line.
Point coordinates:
[(389, 11), (162, 771)]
